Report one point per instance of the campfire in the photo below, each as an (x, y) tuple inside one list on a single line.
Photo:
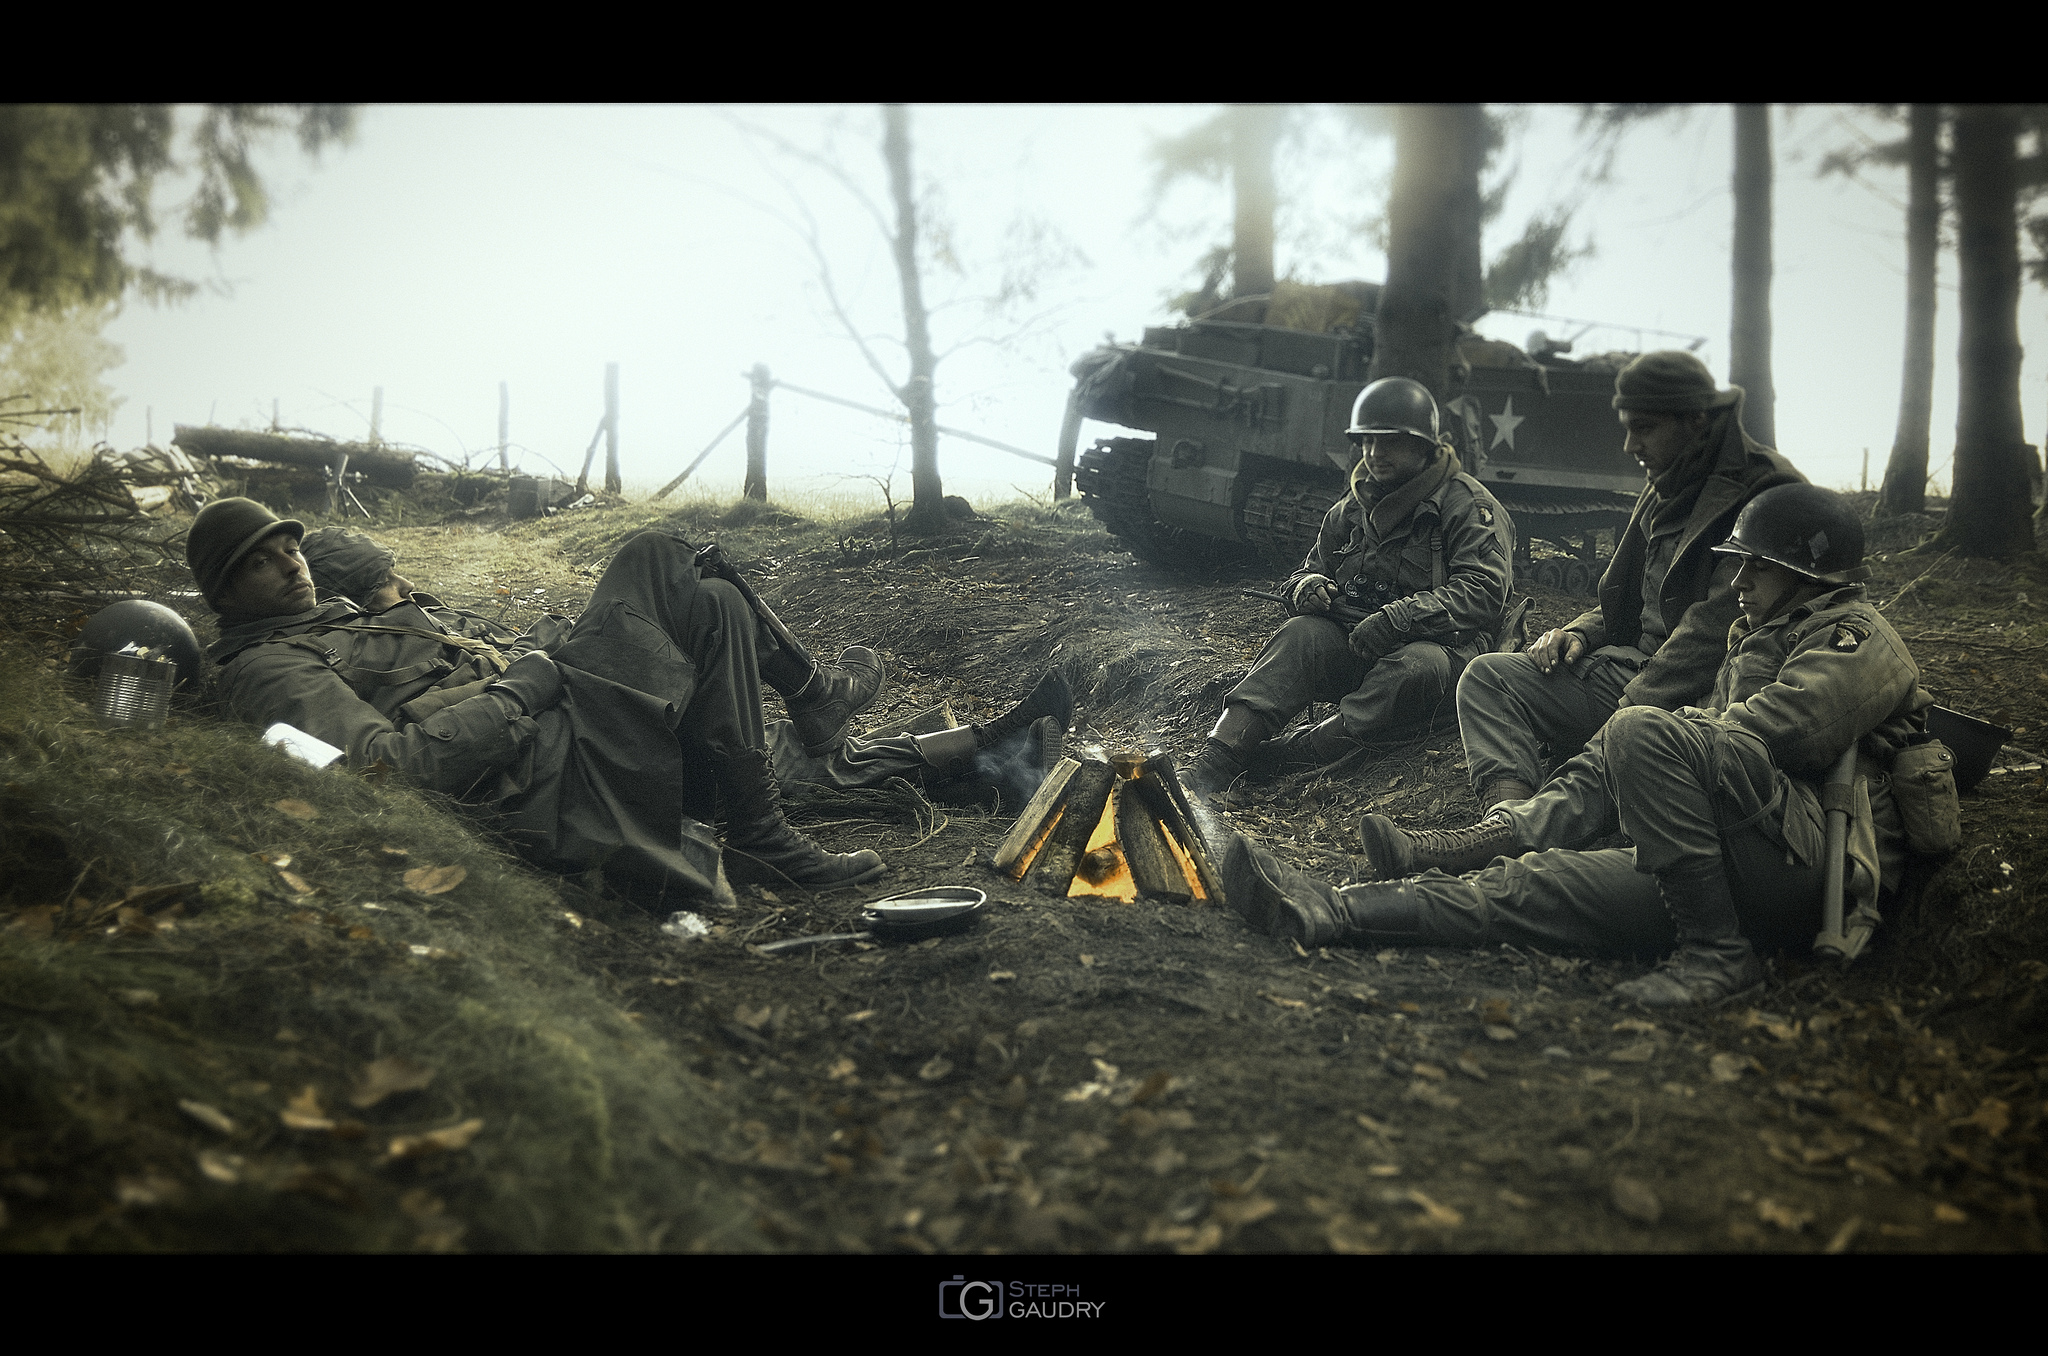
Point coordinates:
[(1119, 827)]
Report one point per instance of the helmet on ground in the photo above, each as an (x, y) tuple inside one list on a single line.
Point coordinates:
[(138, 625), (1394, 405), (1807, 529), (346, 563)]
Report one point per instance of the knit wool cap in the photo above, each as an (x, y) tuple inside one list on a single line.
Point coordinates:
[(347, 563), (1669, 382), (224, 532)]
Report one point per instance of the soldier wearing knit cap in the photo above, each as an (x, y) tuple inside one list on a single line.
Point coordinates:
[(1666, 601)]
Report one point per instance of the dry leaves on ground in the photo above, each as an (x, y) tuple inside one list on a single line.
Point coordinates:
[(435, 880), (297, 809), (435, 1141), (391, 1074)]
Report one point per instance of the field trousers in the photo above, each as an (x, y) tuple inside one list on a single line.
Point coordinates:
[(1690, 793), (1310, 659), (1508, 709)]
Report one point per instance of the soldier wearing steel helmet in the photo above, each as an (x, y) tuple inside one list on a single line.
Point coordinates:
[(1723, 802), (1666, 601), (1423, 550)]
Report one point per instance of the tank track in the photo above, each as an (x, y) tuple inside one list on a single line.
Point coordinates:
[(1283, 518), (1111, 477)]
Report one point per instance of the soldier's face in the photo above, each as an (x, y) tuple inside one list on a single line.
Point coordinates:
[(271, 581), (395, 590), (1396, 458), (1658, 440), (1762, 586)]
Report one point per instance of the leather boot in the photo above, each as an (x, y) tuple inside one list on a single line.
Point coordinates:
[(762, 848), (1502, 790), (949, 753), (1714, 961), (1051, 697), (1280, 901), (1397, 852), (822, 703), (1238, 731)]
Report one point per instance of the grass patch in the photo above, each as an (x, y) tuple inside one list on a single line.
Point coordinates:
[(245, 983)]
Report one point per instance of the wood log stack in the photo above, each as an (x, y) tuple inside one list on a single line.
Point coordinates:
[(1119, 827)]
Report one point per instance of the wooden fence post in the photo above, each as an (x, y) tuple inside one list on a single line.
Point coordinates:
[(612, 483), (377, 416), (756, 486), (504, 425), (1070, 433)]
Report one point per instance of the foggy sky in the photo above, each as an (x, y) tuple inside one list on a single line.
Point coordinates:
[(452, 247)]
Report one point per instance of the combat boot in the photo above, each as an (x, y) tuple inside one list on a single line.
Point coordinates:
[(1051, 697), (823, 702), (1714, 962), (761, 847), (1502, 790), (1276, 899), (1239, 730), (1396, 852)]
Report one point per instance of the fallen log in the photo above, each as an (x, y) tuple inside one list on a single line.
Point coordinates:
[(379, 464)]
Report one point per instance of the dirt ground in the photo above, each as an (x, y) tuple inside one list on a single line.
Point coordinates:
[(1081, 1075), (1097, 1076)]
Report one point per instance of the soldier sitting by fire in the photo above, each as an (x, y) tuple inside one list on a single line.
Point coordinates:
[(1406, 585)]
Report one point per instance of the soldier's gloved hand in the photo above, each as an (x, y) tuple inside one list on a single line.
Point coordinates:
[(1375, 638), (533, 681), (1314, 594)]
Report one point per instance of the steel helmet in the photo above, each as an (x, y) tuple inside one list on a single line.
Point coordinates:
[(1807, 529), (142, 625), (1395, 405)]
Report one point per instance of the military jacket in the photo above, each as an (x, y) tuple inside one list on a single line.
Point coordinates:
[(1442, 574), (597, 770), (1828, 673), (1698, 597)]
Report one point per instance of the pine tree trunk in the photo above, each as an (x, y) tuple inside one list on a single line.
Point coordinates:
[(1990, 509), (1905, 475), (1749, 339), (1468, 276), (927, 508), (1413, 330), (1253, 130)]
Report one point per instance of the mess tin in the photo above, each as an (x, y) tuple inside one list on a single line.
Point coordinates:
[(934, 911)]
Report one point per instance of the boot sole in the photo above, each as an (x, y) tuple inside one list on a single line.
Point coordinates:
[(745, 869)]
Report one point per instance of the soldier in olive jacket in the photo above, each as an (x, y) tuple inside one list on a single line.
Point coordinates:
[(1666, 601)]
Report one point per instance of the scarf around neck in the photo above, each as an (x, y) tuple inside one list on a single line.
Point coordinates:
[(1388, 508)]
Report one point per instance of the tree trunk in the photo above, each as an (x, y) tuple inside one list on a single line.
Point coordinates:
[(927, 509), (1990, 510), (1749, 339), (1468, 277), (1905, 475), (1253, 130), (380, 465), (1413, 329)]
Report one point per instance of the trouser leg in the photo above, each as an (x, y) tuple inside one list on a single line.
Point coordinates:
[(1556, 901), (653, 624), (1400, 692), (1507, 707), (1309, 659), (1573, 808)]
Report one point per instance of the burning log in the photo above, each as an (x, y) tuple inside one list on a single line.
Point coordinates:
[(1121, 829), (1087, 795)]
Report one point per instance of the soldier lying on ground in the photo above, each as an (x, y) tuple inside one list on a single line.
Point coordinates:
[(603, 741), (1010, 755), (1418, 545), (1666, 601), (1722, 802)]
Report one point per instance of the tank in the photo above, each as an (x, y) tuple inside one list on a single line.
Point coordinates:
[(1247, 449)]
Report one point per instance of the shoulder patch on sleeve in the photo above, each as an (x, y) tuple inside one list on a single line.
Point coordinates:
[(1486, 514), (1848, 637)]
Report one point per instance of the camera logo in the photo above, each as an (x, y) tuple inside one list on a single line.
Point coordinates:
[(976, 1300)]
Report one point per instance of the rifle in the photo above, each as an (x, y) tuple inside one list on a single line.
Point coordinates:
[(1513, 631), (711, 561)]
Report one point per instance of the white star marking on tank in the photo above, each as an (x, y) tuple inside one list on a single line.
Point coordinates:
[(1504, 425)]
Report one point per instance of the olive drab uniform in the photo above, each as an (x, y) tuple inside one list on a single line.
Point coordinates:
[(1433, 560), (1660, 630), (1737, 781)]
